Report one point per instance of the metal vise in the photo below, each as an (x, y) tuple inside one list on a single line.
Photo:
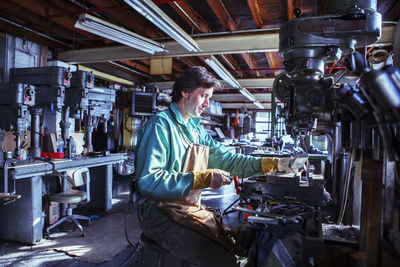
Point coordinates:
[(307, 188)]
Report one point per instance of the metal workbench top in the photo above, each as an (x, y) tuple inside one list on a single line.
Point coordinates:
[(21, 170)]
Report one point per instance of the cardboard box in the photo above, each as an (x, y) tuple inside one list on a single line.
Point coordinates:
[(52, 213)]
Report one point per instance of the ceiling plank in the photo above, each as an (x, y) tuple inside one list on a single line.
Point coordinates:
[(34, 21), (222, 14), (42, 8), (192, 18), (275, 61), (290, 9), (189, 61), (136, 66), (255, 12), (129, 18), (230, 60), (19, 32), (271, 62), (227, 22)]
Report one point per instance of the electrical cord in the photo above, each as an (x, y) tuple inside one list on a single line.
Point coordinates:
[(125, 224), (136, 247)]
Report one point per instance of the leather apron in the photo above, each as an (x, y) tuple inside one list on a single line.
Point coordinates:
[(188, 211)]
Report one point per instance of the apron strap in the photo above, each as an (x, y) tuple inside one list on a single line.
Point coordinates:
[(180, 129)]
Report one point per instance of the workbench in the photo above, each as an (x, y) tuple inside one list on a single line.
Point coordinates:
[(23, 219)]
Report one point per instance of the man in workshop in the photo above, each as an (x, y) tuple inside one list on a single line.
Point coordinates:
[(175, 159)]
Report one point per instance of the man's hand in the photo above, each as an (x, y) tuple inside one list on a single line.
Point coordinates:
[(219, 178)]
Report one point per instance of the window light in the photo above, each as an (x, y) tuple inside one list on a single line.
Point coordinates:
[(118, 34)]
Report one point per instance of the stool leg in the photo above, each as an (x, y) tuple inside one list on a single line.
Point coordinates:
[(78, 224), (81, 217), (55, 225), (184, 263), (160, 259)]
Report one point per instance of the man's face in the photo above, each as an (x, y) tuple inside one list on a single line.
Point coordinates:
[(197, 101)]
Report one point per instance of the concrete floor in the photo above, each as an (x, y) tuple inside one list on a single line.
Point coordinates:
[(17, 254)]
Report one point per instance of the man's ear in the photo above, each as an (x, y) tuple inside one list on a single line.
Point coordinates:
[(185, 94)]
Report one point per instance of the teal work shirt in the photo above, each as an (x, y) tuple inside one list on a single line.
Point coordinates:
[(161, 151)]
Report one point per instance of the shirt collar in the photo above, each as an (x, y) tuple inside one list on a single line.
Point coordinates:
[(178, 115)]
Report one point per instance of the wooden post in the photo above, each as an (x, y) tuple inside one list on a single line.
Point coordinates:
[(371, 211)]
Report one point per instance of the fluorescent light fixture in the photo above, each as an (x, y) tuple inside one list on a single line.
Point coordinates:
[(247, 94), (118, 34), (250, 97), (258, 104), (222, 72), (155, 15)]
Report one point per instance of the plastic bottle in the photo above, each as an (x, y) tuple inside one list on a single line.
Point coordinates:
[(60, 144), (71, 147)]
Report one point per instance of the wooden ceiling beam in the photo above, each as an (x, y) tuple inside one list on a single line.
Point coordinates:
[(189, 61), (19, 32), (255, 12), (42, 8), (290, 9), (227, 22), (192, 18), (196, 21), (274, 61), (229, 59), (136, 66), (39, 23), (271, 62), (222, 14)]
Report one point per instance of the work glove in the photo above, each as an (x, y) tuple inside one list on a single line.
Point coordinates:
[(213, 178), (269, 165)]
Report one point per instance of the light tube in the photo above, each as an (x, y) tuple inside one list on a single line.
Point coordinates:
[(222, 72), (118, 34), (250, 97), (247, 94), (155, 15), (258, 104)]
